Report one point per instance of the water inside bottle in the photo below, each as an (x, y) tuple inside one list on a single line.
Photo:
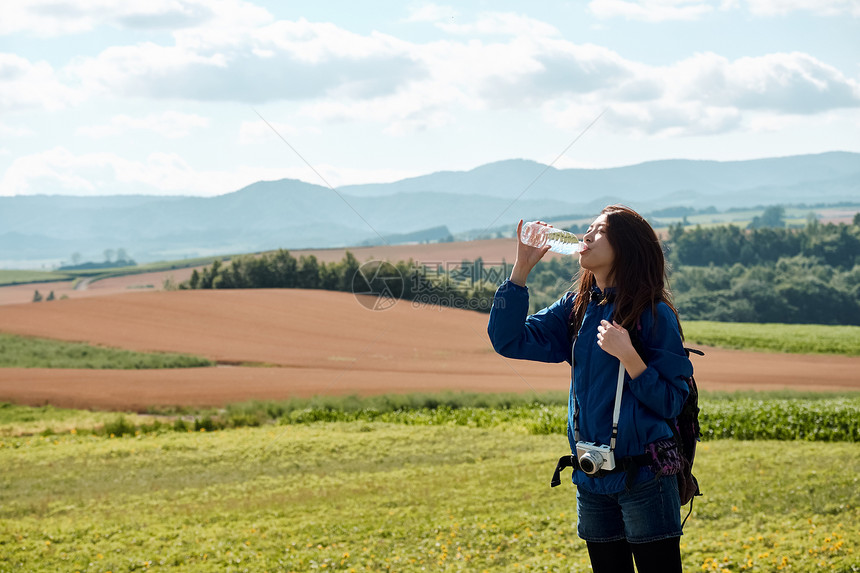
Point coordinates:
[(534, 235), (559, 240), (564, 244)]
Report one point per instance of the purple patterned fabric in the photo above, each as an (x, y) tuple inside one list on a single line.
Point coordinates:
[(666, 459)]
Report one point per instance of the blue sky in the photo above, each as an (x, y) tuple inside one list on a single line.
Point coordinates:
[(166, 96)]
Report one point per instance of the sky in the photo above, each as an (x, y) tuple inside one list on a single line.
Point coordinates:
[(204, 97)]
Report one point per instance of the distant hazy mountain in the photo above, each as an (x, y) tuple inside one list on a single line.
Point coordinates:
[(293, 214), (651, 181)]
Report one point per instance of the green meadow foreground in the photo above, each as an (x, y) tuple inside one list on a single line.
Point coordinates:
[(382, 496)]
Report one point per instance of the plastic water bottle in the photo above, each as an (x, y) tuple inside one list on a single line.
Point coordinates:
[(559, 240)]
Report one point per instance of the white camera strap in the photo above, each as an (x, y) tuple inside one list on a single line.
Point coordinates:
[(616, 413)]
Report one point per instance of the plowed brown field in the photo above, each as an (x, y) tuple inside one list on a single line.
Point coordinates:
[(306, 343)]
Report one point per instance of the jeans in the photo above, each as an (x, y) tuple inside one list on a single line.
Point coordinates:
[(649, 511)]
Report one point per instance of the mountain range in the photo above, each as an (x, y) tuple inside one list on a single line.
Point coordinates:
[(292, 214)]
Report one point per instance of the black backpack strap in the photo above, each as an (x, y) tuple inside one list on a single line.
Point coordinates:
[(629, 465), (568, 461)]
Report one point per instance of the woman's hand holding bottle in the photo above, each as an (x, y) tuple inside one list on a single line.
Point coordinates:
[(527, 257)]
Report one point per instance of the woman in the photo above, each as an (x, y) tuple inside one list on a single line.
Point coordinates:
[(632, 511)]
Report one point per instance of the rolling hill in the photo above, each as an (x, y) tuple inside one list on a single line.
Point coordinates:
[(293, 214)]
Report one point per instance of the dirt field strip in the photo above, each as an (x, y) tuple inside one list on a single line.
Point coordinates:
[(20, 294), (320, 342), (492, 251)]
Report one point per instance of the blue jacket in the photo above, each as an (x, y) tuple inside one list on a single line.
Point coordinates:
[(647, 400)]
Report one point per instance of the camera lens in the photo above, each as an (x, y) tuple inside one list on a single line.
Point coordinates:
[(590, 463)]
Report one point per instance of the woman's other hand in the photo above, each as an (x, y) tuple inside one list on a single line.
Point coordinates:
[(615, 340)]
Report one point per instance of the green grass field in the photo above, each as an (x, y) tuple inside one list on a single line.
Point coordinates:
[(740, 416), (793, 216), (29, 352), (14, 277), (156, 267), (16, 420), (378, 496), (792, 338), (438, 495)]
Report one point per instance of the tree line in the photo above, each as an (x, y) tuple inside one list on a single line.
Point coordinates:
[(467, 285), (122, 260), (834, 245), (806, 275)]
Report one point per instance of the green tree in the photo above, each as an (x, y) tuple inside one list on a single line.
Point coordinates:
[(773, 216), (349, 266), (284, 267), (330, 277), (811, 300), (308, 272), (837, 245), (259, 272), (209, 274), (238, 274)]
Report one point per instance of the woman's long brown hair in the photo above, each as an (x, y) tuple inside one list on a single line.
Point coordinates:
[(638, 272)]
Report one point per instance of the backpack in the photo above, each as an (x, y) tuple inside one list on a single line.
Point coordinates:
[(687, 433)]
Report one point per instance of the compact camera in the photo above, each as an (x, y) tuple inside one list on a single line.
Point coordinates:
[(593, 458)]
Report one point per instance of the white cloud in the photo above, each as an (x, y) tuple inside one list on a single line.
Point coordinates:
[(170, 124), (671, 119), (59, 171), (500, 23), (13, 131), (46, 18), (28, 85), (448, 19), (432, 13), (503, 62), (283, 61), (789, 83), (651, 10), (320, 42), (417, 109), (475, 77), (709, 94), (540, 71), (50, 165), (821, 7), (703, 94), (340, 76), (769, 122), (665, 10), (256, 132)]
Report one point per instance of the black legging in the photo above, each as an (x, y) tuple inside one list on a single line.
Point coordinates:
[(662, 556)]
